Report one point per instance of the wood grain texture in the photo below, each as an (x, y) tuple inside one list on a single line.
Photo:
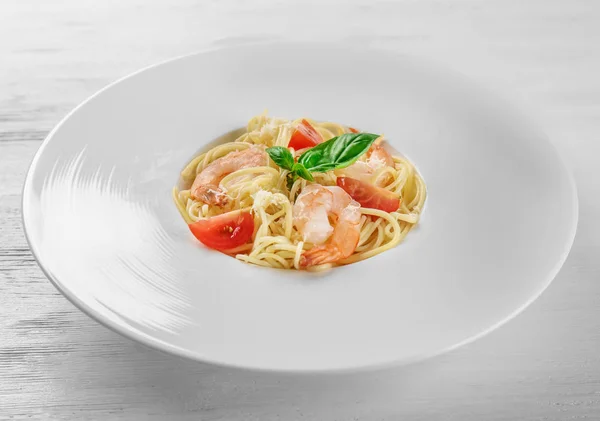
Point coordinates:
[(57, 364)]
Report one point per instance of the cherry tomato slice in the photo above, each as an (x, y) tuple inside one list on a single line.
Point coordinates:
[(224, 232), (369, 195), (305, 136)]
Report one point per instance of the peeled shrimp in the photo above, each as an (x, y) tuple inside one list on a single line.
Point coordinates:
[(312, 211), (378, 156), (375, 158), (206, 185)]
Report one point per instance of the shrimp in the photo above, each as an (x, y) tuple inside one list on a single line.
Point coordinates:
[(376, 158), (206, 185), (312, 211)]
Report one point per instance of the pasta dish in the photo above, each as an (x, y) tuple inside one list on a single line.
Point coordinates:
[(300, 194)]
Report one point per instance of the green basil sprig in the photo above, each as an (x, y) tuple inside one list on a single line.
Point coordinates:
[(338, 152), (284, 158)]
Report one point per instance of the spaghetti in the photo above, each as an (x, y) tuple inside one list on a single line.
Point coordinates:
[(269, 193)]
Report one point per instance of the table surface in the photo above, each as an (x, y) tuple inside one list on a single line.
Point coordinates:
[(57, 364)]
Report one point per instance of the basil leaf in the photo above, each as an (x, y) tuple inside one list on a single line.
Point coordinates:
[(282, 157), (302, 172), (339, 152)]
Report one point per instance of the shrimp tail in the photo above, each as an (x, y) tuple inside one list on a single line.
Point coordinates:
[(319, 255)]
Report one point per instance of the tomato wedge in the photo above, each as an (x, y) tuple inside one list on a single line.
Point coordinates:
[(305, 136), (368, 195), (225, 231)]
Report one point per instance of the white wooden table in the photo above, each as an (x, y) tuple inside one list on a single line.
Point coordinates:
[(57, 364)]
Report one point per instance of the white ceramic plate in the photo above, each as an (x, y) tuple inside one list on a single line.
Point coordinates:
[(498, 223)]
